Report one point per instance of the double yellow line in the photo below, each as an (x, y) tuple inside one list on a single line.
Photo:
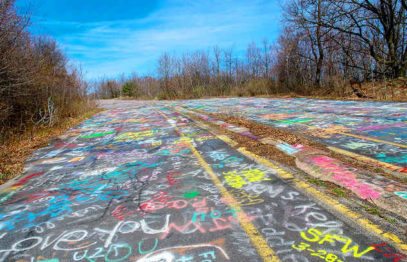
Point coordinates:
[(258, 241), (255, 236)]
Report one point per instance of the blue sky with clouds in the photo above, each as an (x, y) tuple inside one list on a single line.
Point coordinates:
[(109, 37)]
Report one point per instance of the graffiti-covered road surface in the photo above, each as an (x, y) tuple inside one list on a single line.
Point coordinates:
[(371, 129), (140, 182)]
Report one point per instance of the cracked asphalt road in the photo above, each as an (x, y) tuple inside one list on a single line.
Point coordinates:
[(140, 182)]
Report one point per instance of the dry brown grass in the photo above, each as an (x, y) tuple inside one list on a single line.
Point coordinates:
[(15, 151), (392, 90), (263, 131), (386, 90)]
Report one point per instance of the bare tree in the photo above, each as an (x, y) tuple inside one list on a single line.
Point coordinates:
[(306, 17), (253, 56), (379, 26), (216, 63), (164, 72), (266, 58)]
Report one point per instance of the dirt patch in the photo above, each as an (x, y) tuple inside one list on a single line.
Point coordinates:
[(254, 146), (264, 131)]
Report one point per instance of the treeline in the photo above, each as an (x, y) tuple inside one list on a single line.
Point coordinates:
[(325, 46), (215, 72), (37, 85)]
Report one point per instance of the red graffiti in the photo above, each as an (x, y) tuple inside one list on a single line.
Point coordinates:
[(121, 212), (158, 201), (388, 252), (24, 180), (171, 180), (65, 145)]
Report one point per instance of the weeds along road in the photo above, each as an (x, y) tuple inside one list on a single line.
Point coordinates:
[(142, 182)]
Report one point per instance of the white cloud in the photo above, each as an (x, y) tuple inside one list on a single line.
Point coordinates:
[(112, 47)]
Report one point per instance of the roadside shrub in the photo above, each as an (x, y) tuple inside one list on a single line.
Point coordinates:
[(37, 85)]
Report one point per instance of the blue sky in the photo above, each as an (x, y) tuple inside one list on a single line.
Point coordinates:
[(110, 37)]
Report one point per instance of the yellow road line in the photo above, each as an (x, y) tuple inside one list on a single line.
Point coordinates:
[(263, 249), (372, 139), (365, 159), (256, 238)]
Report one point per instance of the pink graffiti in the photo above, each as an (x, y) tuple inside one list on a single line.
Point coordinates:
[(345, 178), (379, 127), (161, 201)]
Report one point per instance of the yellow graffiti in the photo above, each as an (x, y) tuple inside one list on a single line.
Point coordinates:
[(254, 175), (327, 132), (236, 180), (157, 143), (325, 199), (316, 236), (321, 253), (131, 136), (246, 199), (76, 159)]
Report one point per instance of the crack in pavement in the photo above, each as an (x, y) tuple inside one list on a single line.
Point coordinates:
[(144, 183)]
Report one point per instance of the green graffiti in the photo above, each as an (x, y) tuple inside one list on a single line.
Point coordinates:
[(115, 249), (191, 194), (96, 135), (294, 121), (357, 145), (4, 197)]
